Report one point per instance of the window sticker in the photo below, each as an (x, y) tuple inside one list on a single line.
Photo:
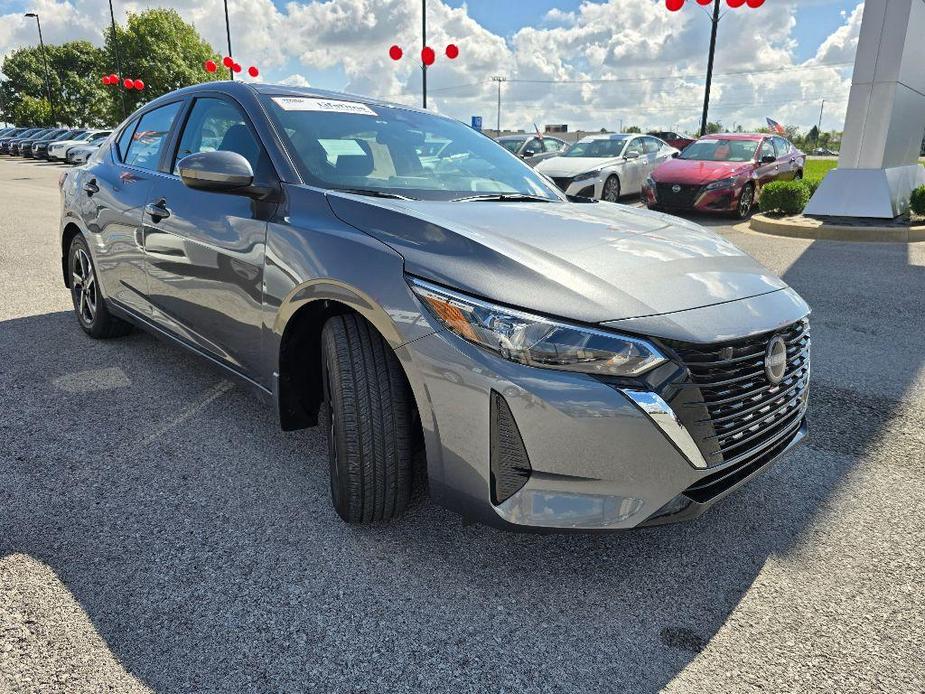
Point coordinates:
[(303, 103)]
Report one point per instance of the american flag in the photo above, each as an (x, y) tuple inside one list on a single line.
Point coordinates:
[(775, 126)]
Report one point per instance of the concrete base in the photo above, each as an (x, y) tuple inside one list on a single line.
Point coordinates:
[(876, 193), (800, 227)]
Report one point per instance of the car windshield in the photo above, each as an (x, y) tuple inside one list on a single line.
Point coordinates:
[(511, 144), (718, 149), (597, 149), (95, 137), (353, 146)]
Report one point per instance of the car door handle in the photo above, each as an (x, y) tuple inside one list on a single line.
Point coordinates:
[(157, 210), (90, 187)]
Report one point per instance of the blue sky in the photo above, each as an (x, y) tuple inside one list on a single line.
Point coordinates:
[(595, 64)]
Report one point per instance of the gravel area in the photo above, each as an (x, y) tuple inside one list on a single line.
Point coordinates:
[(159, 533)]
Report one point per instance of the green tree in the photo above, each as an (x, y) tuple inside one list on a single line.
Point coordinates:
[(162, 50), (633, 129), (714, 127)]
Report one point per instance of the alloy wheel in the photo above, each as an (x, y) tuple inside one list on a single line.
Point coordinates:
[(83, 286), (745, 202), (611, 191)]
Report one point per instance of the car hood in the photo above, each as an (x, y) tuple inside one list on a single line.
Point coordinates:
[(590, 262), (691, 171), (572, 166)]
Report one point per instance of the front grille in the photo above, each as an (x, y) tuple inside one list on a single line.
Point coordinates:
[(563, 183), (732, 410), (667, 197)]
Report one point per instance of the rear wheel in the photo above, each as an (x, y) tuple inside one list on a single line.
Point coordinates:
[(611, 191), (746, 200), (89, 305), (370, 422)]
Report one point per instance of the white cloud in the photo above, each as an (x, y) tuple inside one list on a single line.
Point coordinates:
[(295, 81), (597, 65)]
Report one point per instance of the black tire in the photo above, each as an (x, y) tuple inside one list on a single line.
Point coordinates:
[(369, 412), (798, 175), (92, 313), (611, 190), (746, 201)]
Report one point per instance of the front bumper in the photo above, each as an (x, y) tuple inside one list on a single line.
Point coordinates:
[(600, 459), (697, 200)]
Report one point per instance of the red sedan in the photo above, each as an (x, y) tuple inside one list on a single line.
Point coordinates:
[(722, 173)]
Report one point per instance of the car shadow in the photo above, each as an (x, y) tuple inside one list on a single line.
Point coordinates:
[(201, 543)]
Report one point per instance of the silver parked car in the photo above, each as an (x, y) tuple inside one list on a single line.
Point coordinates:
[(533, 148), (80, 154), (535, 361), (604, 167)]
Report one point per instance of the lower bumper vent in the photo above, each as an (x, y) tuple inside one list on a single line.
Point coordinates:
[(510, 466)]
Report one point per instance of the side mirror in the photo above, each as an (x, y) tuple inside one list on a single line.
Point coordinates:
[(768, 159), (216, 171), (528, 153), (631, 155)]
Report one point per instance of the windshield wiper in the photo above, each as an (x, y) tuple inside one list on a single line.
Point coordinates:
[(504, 197), (373, 193)]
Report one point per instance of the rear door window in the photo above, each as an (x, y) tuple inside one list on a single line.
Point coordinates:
[(147, 142)]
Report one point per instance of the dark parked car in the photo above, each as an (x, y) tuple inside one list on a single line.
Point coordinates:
[(723, 173), (674, 139), (6, 143), (533, 148), (40, 147), (25, 146), (447, 315)]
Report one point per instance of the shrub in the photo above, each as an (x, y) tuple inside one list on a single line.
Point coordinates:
[(788, 197), (917, 202), (812, 184)]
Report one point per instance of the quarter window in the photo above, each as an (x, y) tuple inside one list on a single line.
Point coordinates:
[(125, 138), (147, 142), (218, 125)]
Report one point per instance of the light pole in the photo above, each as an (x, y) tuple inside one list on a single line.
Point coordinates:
[(228, 36), (115, 49), (423, 46), (706, 91), (499, 79), (51, 102)]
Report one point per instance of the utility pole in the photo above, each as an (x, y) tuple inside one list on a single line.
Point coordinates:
[(423, 46), (228, 35), (51, 102), (115, 48), (499, 79), (819, 127), (706, 92)]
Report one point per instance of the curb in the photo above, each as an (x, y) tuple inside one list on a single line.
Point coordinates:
[(834, 232)]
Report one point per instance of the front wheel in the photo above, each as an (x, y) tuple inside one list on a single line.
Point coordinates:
[(89, 305), (611, 191), (746, 200), (370, 421)]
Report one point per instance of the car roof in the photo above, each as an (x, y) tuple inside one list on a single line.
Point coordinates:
[(740, 136)]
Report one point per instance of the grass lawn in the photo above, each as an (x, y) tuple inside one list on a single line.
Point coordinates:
[(816, 169)]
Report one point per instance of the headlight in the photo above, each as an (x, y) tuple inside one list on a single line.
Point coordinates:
[(723, 183), (537, 341), (588, 174)]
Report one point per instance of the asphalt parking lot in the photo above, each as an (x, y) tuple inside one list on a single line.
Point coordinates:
[(159, 533)]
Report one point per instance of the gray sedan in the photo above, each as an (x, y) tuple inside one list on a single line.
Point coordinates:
[(457, 324), (532, 148)]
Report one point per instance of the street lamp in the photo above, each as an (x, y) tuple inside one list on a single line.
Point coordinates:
[(228, 36), (51, 102), (115, 48)]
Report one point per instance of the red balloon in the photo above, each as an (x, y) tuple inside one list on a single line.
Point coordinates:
[(228, 62), (237, 67), (754, 3), (705, 2), (674, 5), (395, 53), (105, 79), (252, 71), (113, 79), (428, 56), (452, 51), (210, 66), (735, 3), (128, 83), (139, 85)]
